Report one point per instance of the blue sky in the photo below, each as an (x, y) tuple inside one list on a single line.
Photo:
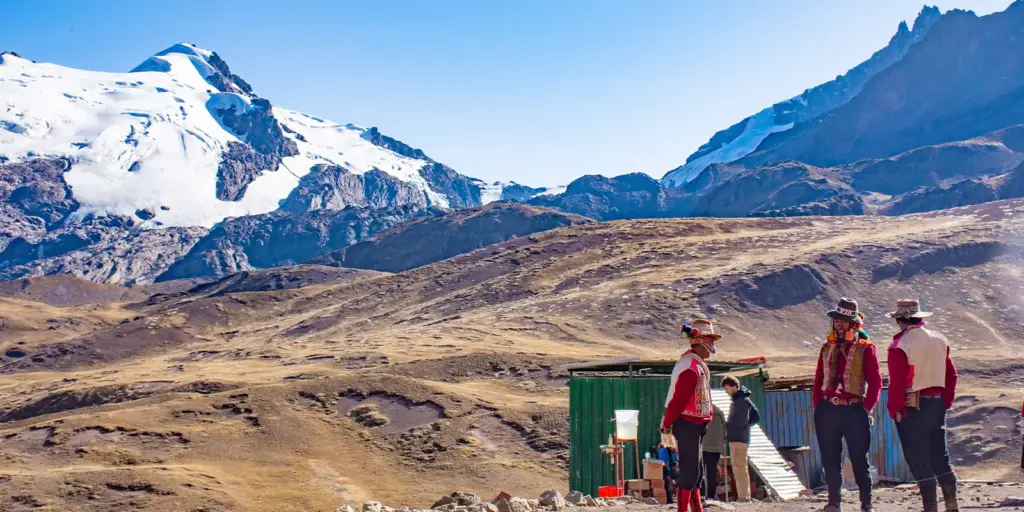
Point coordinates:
[(535, 91)]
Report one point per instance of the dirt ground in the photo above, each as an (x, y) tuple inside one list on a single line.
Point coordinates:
[(242, 396), (973, 496)]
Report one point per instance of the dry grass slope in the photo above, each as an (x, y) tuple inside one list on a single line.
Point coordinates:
[(226, 399)]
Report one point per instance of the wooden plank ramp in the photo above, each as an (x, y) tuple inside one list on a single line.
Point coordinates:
[(763, 458)]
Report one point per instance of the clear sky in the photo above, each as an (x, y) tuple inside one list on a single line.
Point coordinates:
[(536, 91)]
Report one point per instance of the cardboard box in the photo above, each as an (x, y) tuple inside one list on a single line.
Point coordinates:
[(637, 485), (653, 469), (657, 485), (661, 496)]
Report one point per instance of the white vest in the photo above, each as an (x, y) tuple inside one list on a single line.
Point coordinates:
[(926, 353), (699, 405)]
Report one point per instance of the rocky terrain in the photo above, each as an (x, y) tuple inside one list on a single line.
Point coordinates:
[(973, 494), (430, 239), (305, 388)]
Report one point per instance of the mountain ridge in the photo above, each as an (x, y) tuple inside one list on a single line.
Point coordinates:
[(745, 136)]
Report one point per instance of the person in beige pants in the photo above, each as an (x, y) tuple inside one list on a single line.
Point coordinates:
[(742, 414), (738, 453)]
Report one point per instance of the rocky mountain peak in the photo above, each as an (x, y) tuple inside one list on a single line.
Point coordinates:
[(211, 66), (374, 136)]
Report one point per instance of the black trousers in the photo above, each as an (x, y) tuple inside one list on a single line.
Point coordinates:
[(923, 436), (710, 487), (689, 441), (834, 424)]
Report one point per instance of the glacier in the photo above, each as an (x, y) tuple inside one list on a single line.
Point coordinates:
[(151, 140)]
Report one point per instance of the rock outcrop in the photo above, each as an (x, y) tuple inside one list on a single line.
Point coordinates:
[(104, 250), (277, 239), (34, 197), (332, 187), (265, 144), (629, 196), (430, 239), (772, 188)]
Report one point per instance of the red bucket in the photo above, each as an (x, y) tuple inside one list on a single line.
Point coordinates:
[(609, 491)]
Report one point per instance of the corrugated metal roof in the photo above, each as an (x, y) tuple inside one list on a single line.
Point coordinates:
[(638, 364), (763, 457)]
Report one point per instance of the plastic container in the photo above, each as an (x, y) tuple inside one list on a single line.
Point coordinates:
[(626, 425), (608, 491)]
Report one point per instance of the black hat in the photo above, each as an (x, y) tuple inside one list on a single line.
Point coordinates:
[(846, 309)]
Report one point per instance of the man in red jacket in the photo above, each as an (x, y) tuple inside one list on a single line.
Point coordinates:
[(922, 386), (688, 411), (847, 384)]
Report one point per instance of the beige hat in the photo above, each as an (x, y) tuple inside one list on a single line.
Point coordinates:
[(704, 328), (908, 309)]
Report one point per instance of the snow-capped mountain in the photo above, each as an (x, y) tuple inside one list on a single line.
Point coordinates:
[(181, 141), (179, 169), (744, 137)]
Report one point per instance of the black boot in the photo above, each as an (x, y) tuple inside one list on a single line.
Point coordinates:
[(865, 499), (929, 494), (948, 484)]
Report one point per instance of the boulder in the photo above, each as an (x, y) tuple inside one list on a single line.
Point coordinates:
[(502, 496), (373, 506), (651, 501), (574, 498), (552, 500), (465, 499), (514, 505), (345, 508), (1012, 501), (589, 501), (445, 501)]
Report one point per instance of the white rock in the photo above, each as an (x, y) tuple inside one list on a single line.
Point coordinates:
[(552, 500)]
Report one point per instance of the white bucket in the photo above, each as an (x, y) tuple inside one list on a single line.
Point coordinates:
[(626, 425)]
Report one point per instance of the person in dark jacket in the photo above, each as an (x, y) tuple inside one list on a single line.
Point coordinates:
[(714, 447), (742, 414)]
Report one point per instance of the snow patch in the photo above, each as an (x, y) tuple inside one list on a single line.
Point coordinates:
[(343, 145), (758, 128), (490, 193), (553, 191)]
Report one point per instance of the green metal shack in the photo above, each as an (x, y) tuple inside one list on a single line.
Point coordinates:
[(598, 389)]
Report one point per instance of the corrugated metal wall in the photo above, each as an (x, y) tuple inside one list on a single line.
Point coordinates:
[(790, 424), (592, 404)]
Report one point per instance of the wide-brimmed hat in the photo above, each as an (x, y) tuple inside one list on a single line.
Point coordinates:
[(846, 309), (908, 309), (698, 331)]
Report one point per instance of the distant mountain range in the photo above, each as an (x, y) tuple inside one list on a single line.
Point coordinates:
[(180, 170), (937, 113)]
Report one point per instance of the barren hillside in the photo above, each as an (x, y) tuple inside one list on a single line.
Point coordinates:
[(400, 387)]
